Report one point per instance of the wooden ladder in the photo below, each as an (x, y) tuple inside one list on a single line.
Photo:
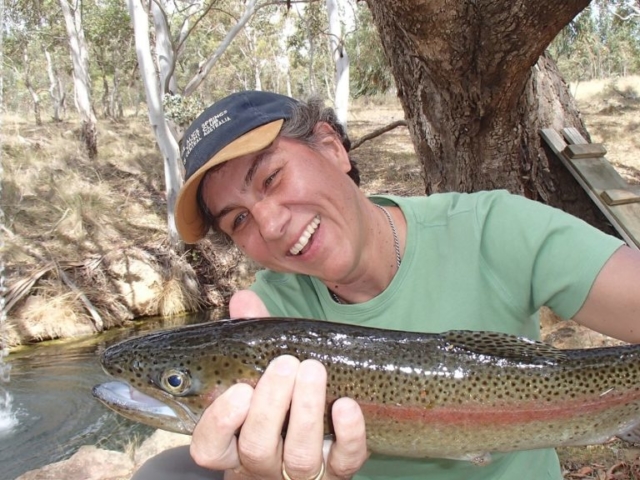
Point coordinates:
[(619, 201)]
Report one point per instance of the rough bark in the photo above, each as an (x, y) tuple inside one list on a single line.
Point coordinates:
[(476, 88)]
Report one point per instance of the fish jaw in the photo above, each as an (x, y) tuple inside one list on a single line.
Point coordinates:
[(135, 405)]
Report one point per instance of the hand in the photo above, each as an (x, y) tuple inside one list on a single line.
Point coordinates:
[(287, 385)]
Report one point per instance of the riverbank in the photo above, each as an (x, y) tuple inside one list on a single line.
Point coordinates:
[(82, 235), (85, 245), (93, 463)]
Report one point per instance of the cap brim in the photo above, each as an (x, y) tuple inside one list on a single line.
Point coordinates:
[(189, 221)]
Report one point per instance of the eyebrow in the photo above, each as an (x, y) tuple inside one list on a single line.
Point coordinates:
[(260, 158)]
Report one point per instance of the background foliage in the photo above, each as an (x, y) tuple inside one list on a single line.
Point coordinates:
[(281, 48)]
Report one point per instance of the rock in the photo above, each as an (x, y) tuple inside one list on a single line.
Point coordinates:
[(88, 463), (138, 279), (567, 334), (92, 463)]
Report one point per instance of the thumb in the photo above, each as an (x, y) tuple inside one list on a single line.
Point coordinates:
[(245, 303)]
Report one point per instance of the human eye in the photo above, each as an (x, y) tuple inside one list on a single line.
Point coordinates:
[(269, 180), (238, 220)]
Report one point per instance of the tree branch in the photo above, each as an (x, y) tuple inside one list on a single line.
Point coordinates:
[(376, 133)]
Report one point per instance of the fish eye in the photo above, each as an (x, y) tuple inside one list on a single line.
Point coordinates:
[(175, 382)]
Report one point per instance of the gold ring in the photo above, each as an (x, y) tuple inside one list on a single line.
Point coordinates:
[(319, 476)]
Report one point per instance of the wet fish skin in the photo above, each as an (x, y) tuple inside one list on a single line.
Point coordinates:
[(457, 394)]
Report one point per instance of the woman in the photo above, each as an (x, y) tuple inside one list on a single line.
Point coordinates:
[(274, 176)]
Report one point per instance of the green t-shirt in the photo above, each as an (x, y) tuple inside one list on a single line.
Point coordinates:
[(481, 261)]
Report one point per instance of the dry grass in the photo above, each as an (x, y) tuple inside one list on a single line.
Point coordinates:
[(611, 109), (104, 220)]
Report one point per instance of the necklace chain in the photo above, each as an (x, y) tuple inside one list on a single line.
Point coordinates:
[(396, 246)]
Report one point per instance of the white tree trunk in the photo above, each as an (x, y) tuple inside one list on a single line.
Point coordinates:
[(165, 54), (56, 92), (166, 142), (341, 61), (208, 65), (32, 91), (81, 79)]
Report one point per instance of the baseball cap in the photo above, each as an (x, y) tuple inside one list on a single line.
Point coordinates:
[(239, 124)]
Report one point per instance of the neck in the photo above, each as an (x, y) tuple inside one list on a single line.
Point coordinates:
[(378, 267)]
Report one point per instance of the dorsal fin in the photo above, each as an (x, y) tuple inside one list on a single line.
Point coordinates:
[(503, 345)]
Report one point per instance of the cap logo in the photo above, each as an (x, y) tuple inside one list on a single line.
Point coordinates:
[(190, 142), (214, 122), (208, 126)]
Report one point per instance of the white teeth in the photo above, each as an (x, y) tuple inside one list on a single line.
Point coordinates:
[(306, 235)]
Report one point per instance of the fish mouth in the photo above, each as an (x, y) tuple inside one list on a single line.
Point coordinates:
[(139, 407)]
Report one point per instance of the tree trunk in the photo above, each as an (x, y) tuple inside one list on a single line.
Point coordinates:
[(165, 54), (203, 71), (476, 88), (81, 79), (56, 91), (32, 91), (165, 140), (340, 60)]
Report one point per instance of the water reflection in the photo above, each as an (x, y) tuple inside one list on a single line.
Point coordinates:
[(53, 410)]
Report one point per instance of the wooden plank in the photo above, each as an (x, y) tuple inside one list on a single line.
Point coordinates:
[(585, 151), (573, 136), (617, 196), (597, 176)]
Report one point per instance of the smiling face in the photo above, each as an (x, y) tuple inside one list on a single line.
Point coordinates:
[(292, 208)]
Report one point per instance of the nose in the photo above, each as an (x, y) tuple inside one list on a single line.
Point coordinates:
[(271, 218)]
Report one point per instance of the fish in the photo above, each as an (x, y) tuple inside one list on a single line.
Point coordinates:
[(457, 394)]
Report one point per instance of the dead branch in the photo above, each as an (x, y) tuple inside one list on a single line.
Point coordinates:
[(24, 287), (376, 133)]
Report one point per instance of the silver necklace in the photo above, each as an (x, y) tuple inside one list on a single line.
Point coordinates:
[(396, 246)]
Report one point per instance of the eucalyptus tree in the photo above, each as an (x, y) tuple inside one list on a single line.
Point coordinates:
[(370, 73), (72, 13), (110, 38), (173, 25), (34, 36), (309, 44), (476, 88), (337, 45)]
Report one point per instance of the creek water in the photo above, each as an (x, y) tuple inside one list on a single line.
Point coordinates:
[(52, 412)]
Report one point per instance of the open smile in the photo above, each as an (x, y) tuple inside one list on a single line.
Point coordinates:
[(303, 241)]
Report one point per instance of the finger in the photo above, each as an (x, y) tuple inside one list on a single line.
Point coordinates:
[(305, 432), (247, 304), (260, 442), (214, 443), (349, 451)]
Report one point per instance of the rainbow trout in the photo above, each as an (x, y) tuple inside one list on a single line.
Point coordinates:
[(457, 394)]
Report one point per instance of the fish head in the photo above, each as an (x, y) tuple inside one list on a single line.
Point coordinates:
[(167, 379)]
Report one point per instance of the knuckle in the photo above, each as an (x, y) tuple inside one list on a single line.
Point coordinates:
[(222, 420), (298, 466), (202, 457), (346, 467), (253, 454)]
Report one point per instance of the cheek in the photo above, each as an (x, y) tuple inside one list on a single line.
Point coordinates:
[(251, 245)]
